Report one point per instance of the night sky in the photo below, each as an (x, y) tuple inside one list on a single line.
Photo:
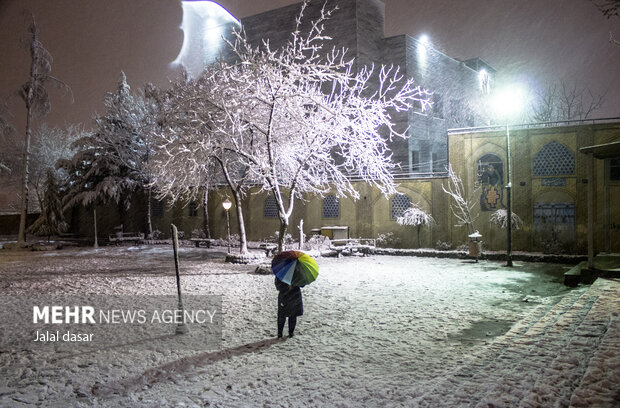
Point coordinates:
[(529, 42)]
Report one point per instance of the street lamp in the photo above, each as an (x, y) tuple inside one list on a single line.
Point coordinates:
[(227, 204), (509, 199), (508, 103)]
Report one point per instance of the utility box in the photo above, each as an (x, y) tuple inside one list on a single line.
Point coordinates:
[(335, 232)]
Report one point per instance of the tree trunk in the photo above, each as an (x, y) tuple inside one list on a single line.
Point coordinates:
[(205, 213), (283, 227), (148, 213), (284, 215), (243, 244), (21, 235), (419, 245), (235, 188), (96, 244)]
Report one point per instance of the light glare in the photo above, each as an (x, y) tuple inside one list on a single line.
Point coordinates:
[(508, 102), (204, 23)]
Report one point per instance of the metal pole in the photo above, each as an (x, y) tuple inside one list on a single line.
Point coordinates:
[(590, 169), (96, 244), (509, 199), (228, 229), (181, 327)]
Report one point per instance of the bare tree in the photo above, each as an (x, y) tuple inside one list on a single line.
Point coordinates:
[(296, 120), (461, 207), (36, 98), (310, 120), (193, 151), (417, 217), (151, 120), (609, 8), (562, 101)]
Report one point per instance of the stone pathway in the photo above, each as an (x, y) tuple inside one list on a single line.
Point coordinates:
[(568, 355)]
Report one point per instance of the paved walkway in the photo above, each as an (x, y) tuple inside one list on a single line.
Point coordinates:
[(567, 356)]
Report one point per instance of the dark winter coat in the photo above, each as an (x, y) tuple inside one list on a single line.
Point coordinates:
[(289, 300)]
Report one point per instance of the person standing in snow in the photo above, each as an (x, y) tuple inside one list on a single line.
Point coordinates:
[(289, 305)]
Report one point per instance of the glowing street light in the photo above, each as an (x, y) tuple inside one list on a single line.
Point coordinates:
[(227, 204), (422, 49), (508, 103)]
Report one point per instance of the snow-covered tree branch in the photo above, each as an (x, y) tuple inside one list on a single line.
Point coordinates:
[(109, 163), (313, 121), (296, 120), (37, 101), (461, 207), (417, 217), (196, 147), (562, 101), (500, 218)]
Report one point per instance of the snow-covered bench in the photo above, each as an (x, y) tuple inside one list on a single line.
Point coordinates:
[(198, 241), (268, 248), (365, 246)]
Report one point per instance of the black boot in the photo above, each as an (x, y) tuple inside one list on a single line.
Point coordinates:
[(292, 322)]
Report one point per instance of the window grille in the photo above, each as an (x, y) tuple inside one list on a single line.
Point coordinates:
[(400, 202), (270, 210), (331, 207), (554, 159), (554, 214)]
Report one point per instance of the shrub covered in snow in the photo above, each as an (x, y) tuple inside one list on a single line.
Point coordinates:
[(387, 240), (317, 243), (443, 246)]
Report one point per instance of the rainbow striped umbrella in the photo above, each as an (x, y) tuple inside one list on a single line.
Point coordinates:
[(295, 268)]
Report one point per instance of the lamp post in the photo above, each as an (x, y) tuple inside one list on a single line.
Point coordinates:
[(508, 103), (227, 204), (509, 199)]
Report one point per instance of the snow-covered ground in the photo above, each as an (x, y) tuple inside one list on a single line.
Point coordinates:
[(376, 331)]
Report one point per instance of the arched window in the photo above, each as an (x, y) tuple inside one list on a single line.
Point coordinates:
[(490, 170), (331, 207), (554, 159), (270, 209), (400, 202)]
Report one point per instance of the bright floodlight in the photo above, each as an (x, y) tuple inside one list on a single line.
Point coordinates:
[(227, 204), (508, 102), (204, 24), (423, 44)]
